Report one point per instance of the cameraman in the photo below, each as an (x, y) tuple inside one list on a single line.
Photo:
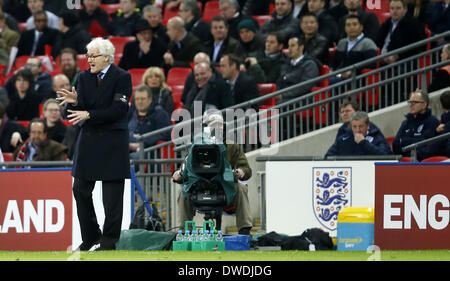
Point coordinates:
[(242, 171)]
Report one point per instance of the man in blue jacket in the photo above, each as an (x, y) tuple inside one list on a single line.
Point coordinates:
[(419, 125), (361, 140), (147, 116)]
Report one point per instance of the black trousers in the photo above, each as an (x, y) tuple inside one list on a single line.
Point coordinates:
[(112, 192)]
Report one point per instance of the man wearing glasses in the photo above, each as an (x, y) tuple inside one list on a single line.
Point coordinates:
[(100, 104), (419, 125)]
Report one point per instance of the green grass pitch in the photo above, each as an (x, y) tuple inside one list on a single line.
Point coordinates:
[(428, 255)]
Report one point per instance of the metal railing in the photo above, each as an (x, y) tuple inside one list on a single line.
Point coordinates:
[(413, 147), (372, 89)]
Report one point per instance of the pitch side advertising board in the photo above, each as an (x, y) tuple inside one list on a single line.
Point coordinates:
[(412, 206), (38, 212)]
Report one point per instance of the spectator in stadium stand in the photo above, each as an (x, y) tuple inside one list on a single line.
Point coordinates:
[(221, 43), (439, 20), (145, 51), (32, 42), (353, 49), (264, 65), (60, 81), (36, 6), (442, 148), (250, 39), (41, 80), (243, 86), (300, 8), (23, 100), (255, 7), (17, 9), (153, 15), (327, 24), (347, 108), (316, 45), (190, 80), (420, 9), (8, 39), (147, 116), (230, 10), (182, 47), (56, 129), (39, 147), (11, 132), (69, 65), (368, 19), (419, 125), (189, 11), (442, 77), (337, 9), (362, 139), (11, 22), (124, 20), (212, 91), (73, 35), (300, 68), (282, 20), (92, 16), (161, 92), (399, 31)]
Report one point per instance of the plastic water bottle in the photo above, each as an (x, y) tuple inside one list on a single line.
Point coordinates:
[(179, 236), (187, 235), (201, 236), (206, 235), (219, 236), (194, 235)]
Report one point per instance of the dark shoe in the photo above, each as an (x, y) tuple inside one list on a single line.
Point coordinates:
[(86, 246), (244, 231), (105, 248)]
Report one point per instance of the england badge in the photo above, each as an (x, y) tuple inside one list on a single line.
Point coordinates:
[(332, 191)]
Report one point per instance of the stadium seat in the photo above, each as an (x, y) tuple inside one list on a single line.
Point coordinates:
[(324, 69), (136, 76), (96, 30), (24, 123), (435, 159), (66, 122), (405, 159), (372, 96), (177, 91), (382, 16), (167, 152), (390, 140), (168, 14), (119, 42), (319, 113), (178, 75), (331, 52), (82, 62), (110, 8), (261, 19), (211, 9), (265, 89), (7, 156)]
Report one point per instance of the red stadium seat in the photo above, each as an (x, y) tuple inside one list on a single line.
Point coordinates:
[(8, 156), (178, 75), (405, 159), (324, 69), (24, 123), (390, 140), (382, 16), (136, 76), (110, 8), (319, 113), (435, 159), (22, 26), (265, 89), (119, 42), (82, 62), (167, 152), (168, 14), (372, 96), (96, 30), (261, 19), (211, 9), (177, 91)]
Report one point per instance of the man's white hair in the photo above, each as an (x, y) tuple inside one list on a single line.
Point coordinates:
[(104, 46)]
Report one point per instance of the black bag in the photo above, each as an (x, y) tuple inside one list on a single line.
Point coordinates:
[(316, 236), (142, 219)]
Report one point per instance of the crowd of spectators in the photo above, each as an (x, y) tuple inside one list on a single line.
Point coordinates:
[(234, 51)]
